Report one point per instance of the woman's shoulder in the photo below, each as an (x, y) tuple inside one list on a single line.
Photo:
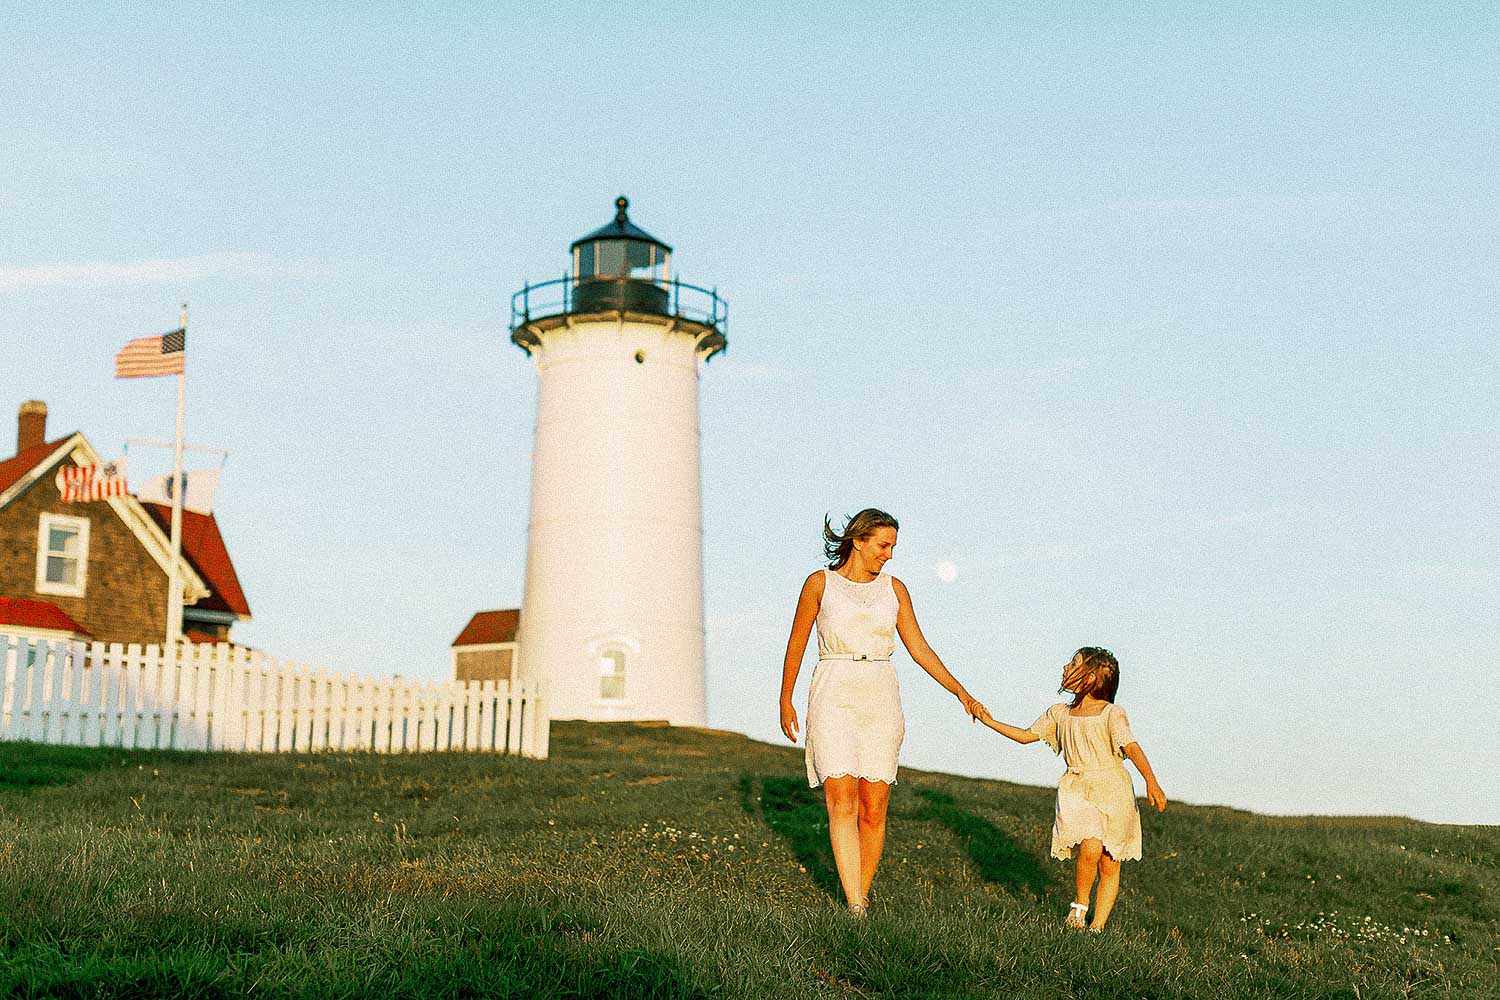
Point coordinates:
[(816, 581)]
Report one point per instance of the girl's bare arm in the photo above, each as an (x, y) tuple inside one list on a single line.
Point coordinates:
[(808, 603), (916, 645), (1022, 736), (1154, 794)]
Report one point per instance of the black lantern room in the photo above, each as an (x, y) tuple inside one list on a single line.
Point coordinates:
[(623, 270), (621, 266)]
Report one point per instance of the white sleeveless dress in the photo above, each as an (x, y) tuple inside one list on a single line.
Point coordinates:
[(854, 720)]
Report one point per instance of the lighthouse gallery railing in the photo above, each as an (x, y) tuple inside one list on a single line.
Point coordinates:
[(555, 297)]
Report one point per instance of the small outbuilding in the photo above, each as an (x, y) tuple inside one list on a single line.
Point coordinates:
[(486, 649)]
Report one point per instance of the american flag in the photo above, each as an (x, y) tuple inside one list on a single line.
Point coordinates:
[(82, 483), (147, 356)]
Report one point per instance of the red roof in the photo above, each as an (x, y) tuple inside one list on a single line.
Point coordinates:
[(26, 613), (490, 626), (204, 548), (12, 469)]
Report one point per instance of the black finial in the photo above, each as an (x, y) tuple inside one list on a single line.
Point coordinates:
[(621, 204)]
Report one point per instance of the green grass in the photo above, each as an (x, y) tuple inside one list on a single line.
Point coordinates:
[(648, 861)]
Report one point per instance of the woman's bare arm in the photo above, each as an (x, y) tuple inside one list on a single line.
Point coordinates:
[(916, 645), (808, 603)]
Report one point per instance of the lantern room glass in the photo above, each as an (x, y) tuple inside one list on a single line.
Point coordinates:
[(614, 258)]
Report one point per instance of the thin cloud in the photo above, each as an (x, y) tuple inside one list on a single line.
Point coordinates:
[(156, 271)]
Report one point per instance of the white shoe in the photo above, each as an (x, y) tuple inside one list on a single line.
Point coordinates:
[(1076, 914)]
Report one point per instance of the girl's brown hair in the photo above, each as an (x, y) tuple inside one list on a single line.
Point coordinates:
[(1098, 674), (838, 545)]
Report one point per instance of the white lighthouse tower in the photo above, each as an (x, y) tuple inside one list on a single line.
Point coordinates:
[(612, 617)]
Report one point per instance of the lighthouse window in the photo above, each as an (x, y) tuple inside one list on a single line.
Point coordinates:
[(612, 674)]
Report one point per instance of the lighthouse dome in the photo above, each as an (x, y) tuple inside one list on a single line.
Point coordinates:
[(621, 266)]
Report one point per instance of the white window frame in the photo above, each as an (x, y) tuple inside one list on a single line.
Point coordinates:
[(629, 650), (621, 657), (44, 527)]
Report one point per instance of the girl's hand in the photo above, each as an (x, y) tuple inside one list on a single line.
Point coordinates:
[(1156, 796), (976, 709), (789, 721)]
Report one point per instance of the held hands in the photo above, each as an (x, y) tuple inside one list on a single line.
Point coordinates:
[(789, 721), (975, 708), (1156, 796)]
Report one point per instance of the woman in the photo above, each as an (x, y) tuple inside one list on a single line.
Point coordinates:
[(854, 721)]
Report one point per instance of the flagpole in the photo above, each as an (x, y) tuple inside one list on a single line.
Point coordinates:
[(174, 582)]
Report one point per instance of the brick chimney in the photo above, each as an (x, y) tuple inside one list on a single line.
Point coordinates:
[(31, 427)]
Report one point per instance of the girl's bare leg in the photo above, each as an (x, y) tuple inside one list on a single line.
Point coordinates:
[(1088, 852), (842, 797), (874, 797), (1109, 888)]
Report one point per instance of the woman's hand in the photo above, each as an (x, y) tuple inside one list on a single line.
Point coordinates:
[(1156, 796), (789, 721), (975, 708)]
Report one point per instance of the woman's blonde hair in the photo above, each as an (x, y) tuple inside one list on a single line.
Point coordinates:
[(838, 544), (1098, 674)]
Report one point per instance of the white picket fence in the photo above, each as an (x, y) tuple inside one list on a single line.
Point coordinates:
[(218, 697)]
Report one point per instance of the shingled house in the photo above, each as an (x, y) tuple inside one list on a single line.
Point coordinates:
[(98, 570), (486, 649)]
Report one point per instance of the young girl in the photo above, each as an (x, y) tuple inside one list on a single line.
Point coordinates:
[(1095, 798)]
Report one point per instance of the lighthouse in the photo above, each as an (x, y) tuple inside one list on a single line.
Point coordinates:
[(612, 612)]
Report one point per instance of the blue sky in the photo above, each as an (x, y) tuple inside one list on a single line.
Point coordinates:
[(1174, 331)]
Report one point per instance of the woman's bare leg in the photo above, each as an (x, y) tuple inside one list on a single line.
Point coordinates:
[(1088, 853), (1109, 888), (842, 798), (874, 797)]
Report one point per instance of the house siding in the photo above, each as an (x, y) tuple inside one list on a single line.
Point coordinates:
[(125, 594), (485, 664)]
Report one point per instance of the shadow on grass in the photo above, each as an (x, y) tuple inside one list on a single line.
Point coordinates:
[(33, 765), (799, 817), (999, 859), (507, 953)]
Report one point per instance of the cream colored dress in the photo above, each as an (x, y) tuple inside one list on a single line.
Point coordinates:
[(1095, 797), (854, 720)]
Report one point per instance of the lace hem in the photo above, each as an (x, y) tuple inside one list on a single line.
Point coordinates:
[(1065, 852), (850, 774)]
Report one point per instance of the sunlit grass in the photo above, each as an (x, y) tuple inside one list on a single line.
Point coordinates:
[(646, 861)]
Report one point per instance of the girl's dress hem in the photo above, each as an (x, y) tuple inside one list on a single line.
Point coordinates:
[(1118, 852)]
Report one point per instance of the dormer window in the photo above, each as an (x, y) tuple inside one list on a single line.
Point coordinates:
[(62, 555)]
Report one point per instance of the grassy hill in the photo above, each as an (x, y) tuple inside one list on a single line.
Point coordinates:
[(648, 861)]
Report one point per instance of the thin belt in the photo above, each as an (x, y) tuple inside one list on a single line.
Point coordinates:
[(854, 656)]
